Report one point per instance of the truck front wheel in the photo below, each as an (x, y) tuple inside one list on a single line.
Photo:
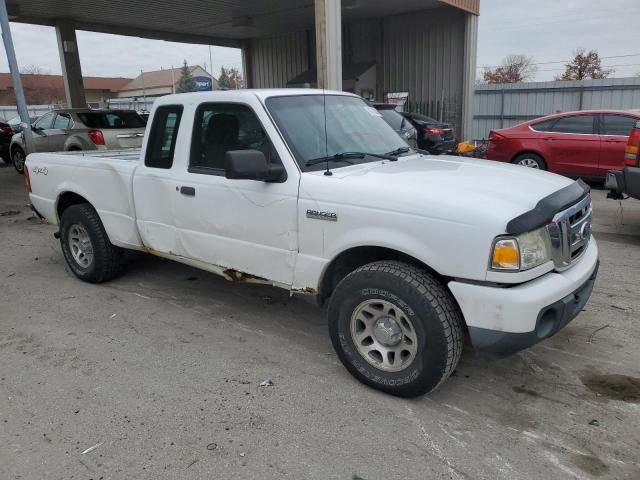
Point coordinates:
[(86, 246), (395, 328)]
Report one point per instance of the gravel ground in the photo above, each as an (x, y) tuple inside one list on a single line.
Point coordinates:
[(159, 372)]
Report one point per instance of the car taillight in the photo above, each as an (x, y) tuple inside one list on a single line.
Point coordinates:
[(27, 179), (7, 130), (495, 137), (96, 137), (633, 145), (434, 132)]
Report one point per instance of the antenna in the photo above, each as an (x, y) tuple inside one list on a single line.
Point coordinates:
[(327, 172)]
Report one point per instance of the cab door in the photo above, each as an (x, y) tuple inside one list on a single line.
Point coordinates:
[(573, 146), (154, 183), (615, 130), (247, 226)]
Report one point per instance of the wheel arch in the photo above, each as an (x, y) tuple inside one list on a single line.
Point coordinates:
[(530, 151), (349, 260), (66, 199)]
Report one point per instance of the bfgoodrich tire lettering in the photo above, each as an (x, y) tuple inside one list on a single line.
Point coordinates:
[(426, 303), (106, 260)]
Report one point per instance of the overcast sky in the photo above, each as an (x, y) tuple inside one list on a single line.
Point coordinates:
[(547, 30), (112, 55), (550, 30)]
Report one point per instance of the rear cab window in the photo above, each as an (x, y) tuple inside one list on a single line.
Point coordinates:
[(161, 144)]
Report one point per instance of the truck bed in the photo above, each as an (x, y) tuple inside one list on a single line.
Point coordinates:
[(104, 178)]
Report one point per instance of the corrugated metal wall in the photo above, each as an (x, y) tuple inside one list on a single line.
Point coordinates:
[(502, 106), (421, 53), (278, 59)]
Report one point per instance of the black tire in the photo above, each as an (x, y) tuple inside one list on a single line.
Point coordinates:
[(107, 259), (434, 315), (18, 158), (529, 159)]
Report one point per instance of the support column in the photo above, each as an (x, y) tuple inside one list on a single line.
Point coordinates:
[(469, 77), (329, 43), (70, 61), (247, 64), (21, 102)]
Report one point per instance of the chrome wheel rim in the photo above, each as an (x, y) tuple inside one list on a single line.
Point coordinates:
[(80, 245), (18, 159), (383, 335), (529, 162)]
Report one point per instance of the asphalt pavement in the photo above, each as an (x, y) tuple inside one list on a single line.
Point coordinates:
[(157, 375)]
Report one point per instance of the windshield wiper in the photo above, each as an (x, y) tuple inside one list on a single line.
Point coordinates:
[(346, 156), (398, 151)]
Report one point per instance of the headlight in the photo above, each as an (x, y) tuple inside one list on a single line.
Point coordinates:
[(526, 251)]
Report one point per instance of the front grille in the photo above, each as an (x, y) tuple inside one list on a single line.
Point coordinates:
[(570, 232)]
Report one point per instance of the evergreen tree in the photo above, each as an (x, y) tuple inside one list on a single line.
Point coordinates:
[(186, 83)]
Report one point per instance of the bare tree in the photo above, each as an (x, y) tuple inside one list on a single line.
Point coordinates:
[(515, 68), (33, 69), (230, 79), (584, 65)]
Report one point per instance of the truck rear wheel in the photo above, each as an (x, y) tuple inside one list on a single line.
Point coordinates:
[(86, 246), (395, 328)]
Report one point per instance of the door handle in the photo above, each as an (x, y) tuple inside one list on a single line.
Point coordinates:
[(188, 191)]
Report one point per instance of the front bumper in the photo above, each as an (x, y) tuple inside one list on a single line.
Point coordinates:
[(502, 321), (624, 182)]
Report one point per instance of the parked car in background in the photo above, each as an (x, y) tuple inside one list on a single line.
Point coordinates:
[(16, 123), (399, 123), (434, 136), (80, 129), (6, 132), (583, 144), (627, 181)]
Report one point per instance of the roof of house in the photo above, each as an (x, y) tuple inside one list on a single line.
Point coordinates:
[(159, 78), (33, 81)]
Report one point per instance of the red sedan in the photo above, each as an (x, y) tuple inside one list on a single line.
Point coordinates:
[(580, 144)]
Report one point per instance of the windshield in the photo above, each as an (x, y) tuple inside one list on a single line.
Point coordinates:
[(105, 120), (351, 126)]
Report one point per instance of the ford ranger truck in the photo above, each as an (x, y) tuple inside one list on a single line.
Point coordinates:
[(314, 192)]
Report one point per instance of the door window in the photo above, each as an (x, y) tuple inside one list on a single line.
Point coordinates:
[(222, 127), (46, 121), (618, 125), (62, 121), (582, 124), (162, 137)]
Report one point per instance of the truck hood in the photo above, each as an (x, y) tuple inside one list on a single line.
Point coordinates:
[(448, 188)]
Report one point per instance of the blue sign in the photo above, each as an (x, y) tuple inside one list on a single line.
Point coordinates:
[(203, 84)]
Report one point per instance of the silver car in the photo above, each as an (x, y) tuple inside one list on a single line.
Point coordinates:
[(80, 129)]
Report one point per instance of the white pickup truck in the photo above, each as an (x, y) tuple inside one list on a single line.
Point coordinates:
[(313, 192)]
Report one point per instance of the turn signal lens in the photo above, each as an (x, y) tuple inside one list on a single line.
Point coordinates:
[(506, 255)]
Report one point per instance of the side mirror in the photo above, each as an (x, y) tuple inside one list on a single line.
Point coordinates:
[(252, 165)]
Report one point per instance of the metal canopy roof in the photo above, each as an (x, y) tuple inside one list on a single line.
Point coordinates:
[(219, 22)]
